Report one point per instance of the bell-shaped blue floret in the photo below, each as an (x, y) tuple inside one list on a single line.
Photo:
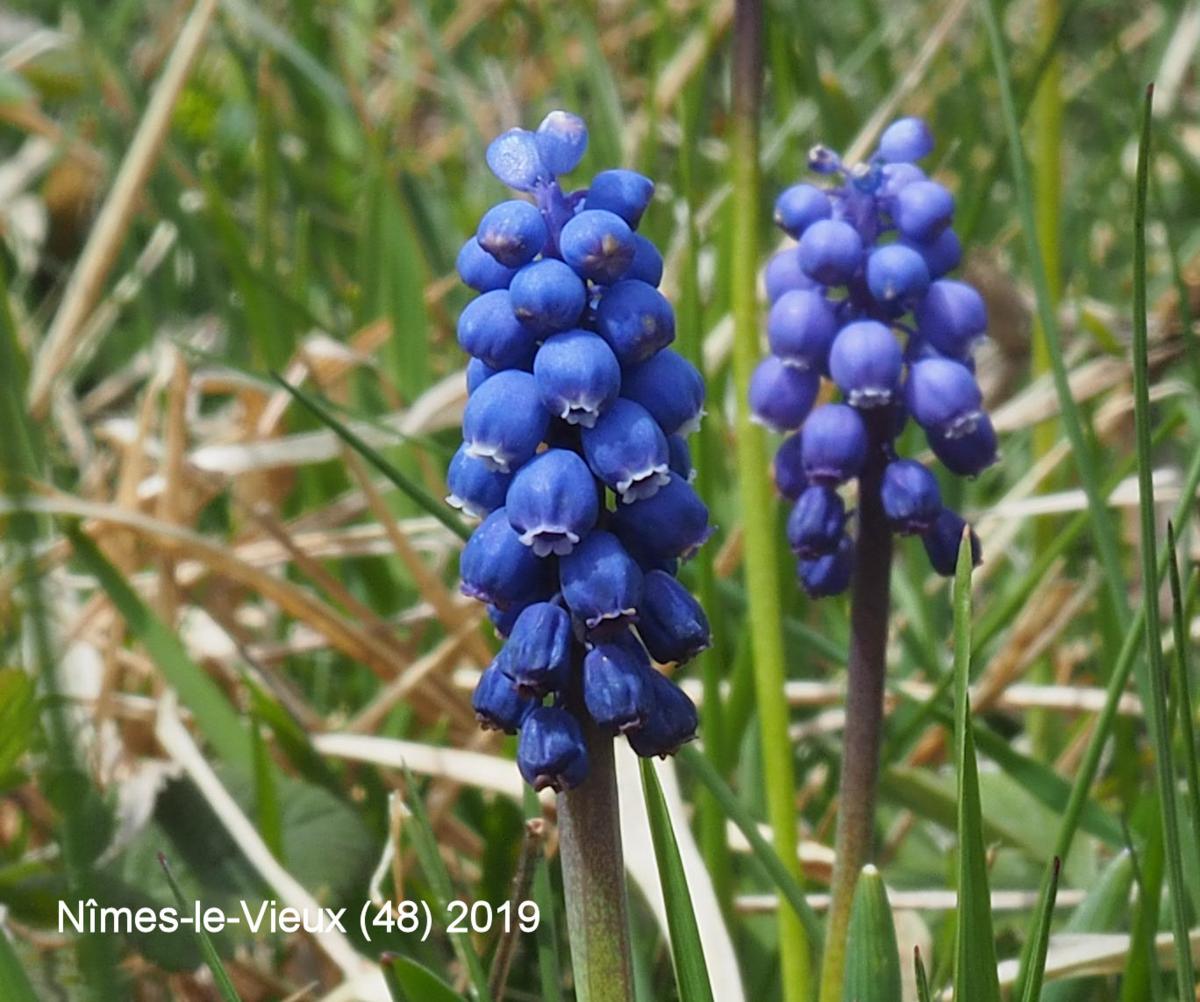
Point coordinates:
[(623, 192), (617, 689), (922, 210), (477, 372), (670, 388), (478, 269), (513, 157), (537, 656), (906, 139), (672, 523), (968, 453), (941, 254), (489, 330), (952, 318), (551, 753), (781, 395), (830, 574), (672, 722), (647, 263), (799, 206), (513, 232), (800, 329), (830, 251), (552, 502), (578, 376), (833, 444), (671, 622), (816, 523), (680, 457), (783, 274), (561, 141), (942, 396), (787, 469), (598, 244), (476, 489), (897, 275), (911, 497), (547, 296), (497, 703), (636, 320), (627, 450), (942, 541), (866, 362), (496, 567), (601, 582), (504, 421)]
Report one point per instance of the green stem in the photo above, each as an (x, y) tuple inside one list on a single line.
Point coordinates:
[(869, 600), (593, 870), (761, 567)]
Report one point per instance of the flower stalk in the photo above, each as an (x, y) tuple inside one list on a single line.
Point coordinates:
[(869, 600), (593, 871)]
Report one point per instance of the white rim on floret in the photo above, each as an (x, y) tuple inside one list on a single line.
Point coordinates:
[(692, 424), (467, 507), (581, 412), (605, 617), (867, 397), (796, 362), (963, 425), (491, 454), (643, 484), (547, 539)]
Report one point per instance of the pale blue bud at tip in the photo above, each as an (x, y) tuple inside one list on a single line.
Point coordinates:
[(906, 139), (513, 157), (561, 142)]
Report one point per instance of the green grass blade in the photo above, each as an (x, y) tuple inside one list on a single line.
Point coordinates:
[(872, 958), (14, 984), (1032, 978), (1081, 445), (426, 846), (409, 981), (549, 962), (785, 882), (923, 993), (211, 958), (975, 948), (217, 720), (268, 815), (1160, 729), (1183, 687), (409, 486), (687, 952)]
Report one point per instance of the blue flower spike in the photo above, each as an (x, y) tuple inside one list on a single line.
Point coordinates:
[(865, 314)]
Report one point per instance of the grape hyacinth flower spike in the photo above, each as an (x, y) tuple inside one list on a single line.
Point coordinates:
[(864, 315), (574, 456)]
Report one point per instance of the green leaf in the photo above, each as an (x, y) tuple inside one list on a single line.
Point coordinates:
[(409, 981), (426, 846), (872, 957), (14, 985), (975, 950), (687, 953), (410, 487), (923, 994), (1033, 977), (211, 958), (217, 720), (266, 795), (18, 717), (549, 964), (785, 882), (1105, 909), (1154, 685)]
